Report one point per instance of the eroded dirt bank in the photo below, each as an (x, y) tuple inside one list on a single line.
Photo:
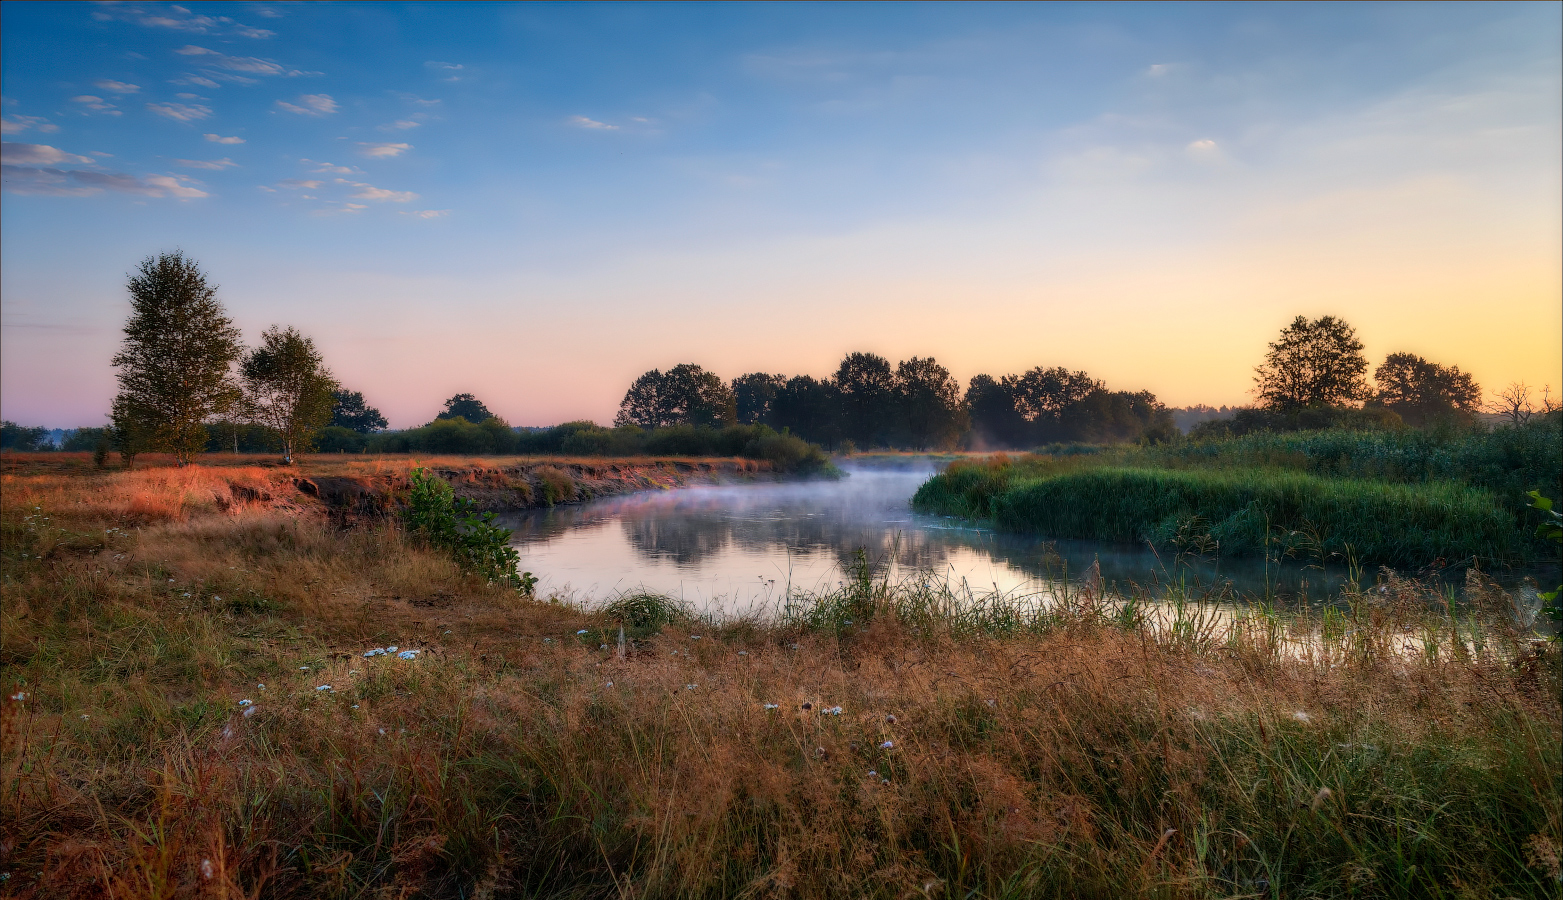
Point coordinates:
[(500, 487)]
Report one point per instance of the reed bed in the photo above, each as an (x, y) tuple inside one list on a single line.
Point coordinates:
[(884, 739)]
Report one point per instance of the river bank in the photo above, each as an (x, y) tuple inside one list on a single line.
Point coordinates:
[(252, 700)]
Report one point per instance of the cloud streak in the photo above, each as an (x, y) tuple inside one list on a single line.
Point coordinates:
[(592, 124), (383, 151), (180, 112), (219, 139), (310, 105)]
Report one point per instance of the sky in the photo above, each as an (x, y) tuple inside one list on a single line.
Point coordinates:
[(536, 203)]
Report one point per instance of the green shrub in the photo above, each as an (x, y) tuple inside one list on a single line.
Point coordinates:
[(439, 517)]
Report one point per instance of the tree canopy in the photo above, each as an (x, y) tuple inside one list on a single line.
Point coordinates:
[(1313, 363), (466, 406), (684, 395), (349, 411), (175, 362), (287, 389), (1422, 391)]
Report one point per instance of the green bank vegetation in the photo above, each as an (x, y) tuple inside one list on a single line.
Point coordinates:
[(193, 705), (1404, 498)]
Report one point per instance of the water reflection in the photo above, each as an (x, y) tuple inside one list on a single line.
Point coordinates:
[(739, 548)]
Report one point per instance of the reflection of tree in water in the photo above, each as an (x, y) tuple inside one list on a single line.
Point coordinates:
[(871, 513)]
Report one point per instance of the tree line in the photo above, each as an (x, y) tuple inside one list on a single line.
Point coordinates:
[(188, 385)]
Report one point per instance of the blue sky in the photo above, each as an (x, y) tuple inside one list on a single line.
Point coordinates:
[(536, 203)]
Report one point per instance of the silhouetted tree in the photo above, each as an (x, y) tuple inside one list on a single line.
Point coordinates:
[(1042, 397), (867, 390), (1422, 391), (286, 388), (995, 422), (17, 437), (349, 411), (809, 408), (930, 401), (1317, 363), (1514, 403), (754, 393), (174, 365), (465, 406), (684, 395)]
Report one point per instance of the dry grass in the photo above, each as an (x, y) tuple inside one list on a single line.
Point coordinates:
[(1072, 757)]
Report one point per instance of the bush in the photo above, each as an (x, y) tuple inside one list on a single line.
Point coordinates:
[(336, 439), (443, 520)]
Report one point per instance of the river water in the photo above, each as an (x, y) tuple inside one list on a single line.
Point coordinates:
[(738, 549)]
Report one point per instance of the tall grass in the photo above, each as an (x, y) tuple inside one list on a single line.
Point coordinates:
[(1234, 510), (985, 745)]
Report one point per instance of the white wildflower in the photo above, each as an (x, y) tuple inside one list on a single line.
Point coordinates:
[(323, 687), (206, 869), (246, 702), (690, 687), (19, 696), (770, 706), (872, 774), (391, 649), (1300, 716), (834, 710), (378, 651), (887, 745), (250, 711), (407, 654), (582, 631), (303, 668)]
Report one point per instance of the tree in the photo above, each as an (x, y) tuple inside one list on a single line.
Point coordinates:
[(754, 393), (684, 395), (994, 419), (1311, 364), (930, 400), (809, 408), (1044, 397), (867, 389), (131, 429), (17, 437), (348, 411), (1513, 403), (174, 365), (286, 389), (464, 406), (1422, 391)]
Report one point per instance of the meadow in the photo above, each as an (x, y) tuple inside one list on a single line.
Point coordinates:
[(194, 706), (1405, 498)]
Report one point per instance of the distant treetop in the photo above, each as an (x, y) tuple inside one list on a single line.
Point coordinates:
[(466, 406)]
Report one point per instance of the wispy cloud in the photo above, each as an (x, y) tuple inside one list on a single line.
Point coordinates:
[(180, 112), (216, 165), (19, 124), (310, 105), (449, 70), (584, 122), (370, 192), (326, 168), (401, 125), (297, 183), (16, 154), (220, 65), (219, 139), (96, 104), (414, 99), (427, 213), (116, 87), (383, 151), (200, 80), (177, 18), (193, 50)]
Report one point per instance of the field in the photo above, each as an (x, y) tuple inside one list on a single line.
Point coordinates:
[(190, 710)]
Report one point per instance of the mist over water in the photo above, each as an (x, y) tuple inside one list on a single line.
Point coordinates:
[(738, 549)]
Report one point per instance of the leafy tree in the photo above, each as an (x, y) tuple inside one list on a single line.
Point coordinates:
[(1422, 391), (867, 389), (1317, 363), (809, 408), (17, 437), (83, 439), (754, 394), (174, 365), (349, 411), (931, 406), (132, 429), (995, 421), (684, 395), (287, 389), (1044, 396), (465, 406)]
